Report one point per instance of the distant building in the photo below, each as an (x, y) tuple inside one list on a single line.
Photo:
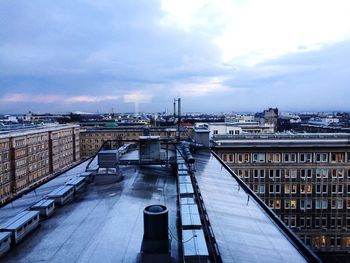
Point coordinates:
[(235, 128), (30, 156), (92, 139)]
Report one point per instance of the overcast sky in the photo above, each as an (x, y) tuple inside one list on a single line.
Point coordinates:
[(95, 55)]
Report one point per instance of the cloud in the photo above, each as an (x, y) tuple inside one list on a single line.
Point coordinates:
[(106, 54), (251, 32), (42, 98)]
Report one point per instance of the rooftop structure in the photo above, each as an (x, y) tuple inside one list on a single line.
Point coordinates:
[(104, 223)]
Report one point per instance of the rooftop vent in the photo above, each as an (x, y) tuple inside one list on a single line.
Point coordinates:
[(155, 243)]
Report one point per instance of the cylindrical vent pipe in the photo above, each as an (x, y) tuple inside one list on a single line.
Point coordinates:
[(186, 151), (155, 222)]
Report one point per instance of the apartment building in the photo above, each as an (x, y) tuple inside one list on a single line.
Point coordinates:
[(304, 178), (30, 156), (92, 139), (5, 181)]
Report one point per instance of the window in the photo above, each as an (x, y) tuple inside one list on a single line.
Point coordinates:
[(215, 131), (289, 157), (308, 221), (292, 222), (286, 188), (321, 157), (324, 203), (325, 188), (340, 203), (293, 173), (294, 188), (258, 157), (340, 188), (278, 173), (317, 221), (337, 157), (277, 204), (242, 157), (324, 221), (293, 204), (262, 189), (278, 188), (334, 188), (230, 159), (309, 188), (262, 173), (333, 204), (318, 188), (305, 157), (286, 204), (308, 203), (318, 204), (274, 157)]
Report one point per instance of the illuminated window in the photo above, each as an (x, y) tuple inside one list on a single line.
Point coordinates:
[(293, 204), (309, 188), (277, 204), (286, 188)]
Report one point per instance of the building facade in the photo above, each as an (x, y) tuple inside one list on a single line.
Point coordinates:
[(91, 140), (304, 178), (31, 156)]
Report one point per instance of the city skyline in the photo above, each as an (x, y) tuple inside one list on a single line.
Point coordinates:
[(245, 55)]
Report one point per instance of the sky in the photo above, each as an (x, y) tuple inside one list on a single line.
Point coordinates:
[(138, 55)]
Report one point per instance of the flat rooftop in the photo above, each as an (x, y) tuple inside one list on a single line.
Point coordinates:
[(283, 140), (103, 224), (34, 130)]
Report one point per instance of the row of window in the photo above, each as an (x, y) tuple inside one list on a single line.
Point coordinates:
[(324, 157), (316, 221), (307, 188), (293, 173), (306, 204)]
